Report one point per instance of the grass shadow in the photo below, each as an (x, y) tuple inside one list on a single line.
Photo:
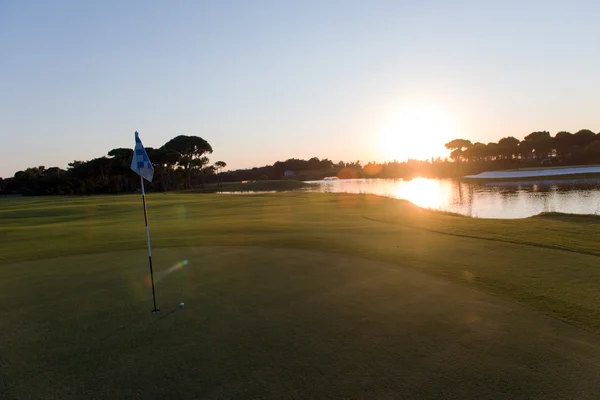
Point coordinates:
[(165, 315)]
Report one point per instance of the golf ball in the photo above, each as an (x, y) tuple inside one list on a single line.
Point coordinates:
[(181, 304)]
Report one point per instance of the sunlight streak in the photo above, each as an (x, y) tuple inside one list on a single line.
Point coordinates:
[(160, 276)]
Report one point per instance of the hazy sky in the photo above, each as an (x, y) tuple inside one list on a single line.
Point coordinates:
[(270, 80)]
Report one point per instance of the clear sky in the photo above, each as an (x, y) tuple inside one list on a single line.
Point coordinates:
[(269, 80)]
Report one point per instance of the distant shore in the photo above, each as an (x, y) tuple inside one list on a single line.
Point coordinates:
[(528, 173)]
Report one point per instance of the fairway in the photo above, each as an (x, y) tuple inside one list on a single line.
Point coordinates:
[(294, 296)]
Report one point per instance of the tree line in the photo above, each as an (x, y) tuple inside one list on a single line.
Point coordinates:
[(180, 163), (582, 147), (293, 168), (536, 149)]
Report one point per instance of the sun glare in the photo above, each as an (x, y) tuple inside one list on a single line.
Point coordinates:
[(417, 133), (426, 193)]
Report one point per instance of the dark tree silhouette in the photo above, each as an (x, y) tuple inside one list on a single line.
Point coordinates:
[(508, 147), (182, 163), (562, 142), (218, 167), (457, 148), (119, 169), (477, 152), (539, 143), (592, 151), (189, 149), (583, 137)]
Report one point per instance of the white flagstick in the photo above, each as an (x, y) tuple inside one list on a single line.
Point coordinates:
[(149, 249)]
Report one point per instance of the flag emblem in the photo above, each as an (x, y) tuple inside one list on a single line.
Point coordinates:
[(140, 163)]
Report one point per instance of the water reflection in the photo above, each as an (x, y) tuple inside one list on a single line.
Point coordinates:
[(500, 200), (422, 192)]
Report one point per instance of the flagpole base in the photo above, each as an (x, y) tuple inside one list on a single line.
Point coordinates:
[(155, 310)]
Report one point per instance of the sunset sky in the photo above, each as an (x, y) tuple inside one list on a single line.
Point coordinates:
[(269, 80)]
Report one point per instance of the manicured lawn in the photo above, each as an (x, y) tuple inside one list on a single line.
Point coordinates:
[(294, 295), (253, 186)]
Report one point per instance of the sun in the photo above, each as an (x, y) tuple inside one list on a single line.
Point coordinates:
[(417, 133)]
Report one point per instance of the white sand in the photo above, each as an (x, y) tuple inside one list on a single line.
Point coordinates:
[(535, 173)]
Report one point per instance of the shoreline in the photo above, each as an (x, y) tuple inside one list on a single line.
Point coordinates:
[(567, 172)]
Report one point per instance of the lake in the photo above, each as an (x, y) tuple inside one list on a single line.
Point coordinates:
[(498, 200)]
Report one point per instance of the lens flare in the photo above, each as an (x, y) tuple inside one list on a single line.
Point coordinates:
[(159, 277), (182, 212)]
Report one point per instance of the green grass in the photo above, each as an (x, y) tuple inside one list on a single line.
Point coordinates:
[(253, 186), (294, 295)]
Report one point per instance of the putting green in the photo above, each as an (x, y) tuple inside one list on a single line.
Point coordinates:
[(275, 323)]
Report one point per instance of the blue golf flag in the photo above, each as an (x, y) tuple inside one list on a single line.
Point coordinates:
[(140, 162), (142, 166)]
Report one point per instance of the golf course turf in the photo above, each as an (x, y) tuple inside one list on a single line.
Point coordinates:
[(294, 295)]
